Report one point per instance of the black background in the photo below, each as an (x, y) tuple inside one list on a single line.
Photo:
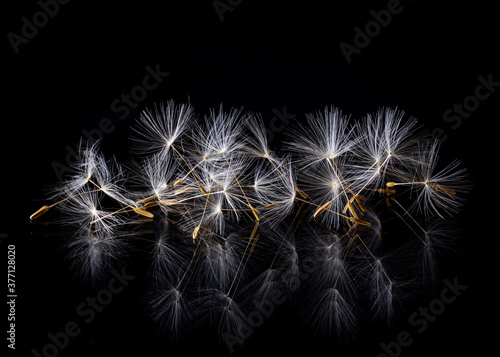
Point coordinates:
[(262, 56)]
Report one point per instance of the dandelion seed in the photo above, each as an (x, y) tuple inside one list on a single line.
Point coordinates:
[(221, 216), (143, 212), (330, 313), (178, 182), (436, 191), (157, 130), (40, 212), (195, 232), (171, 310), (327, 136)]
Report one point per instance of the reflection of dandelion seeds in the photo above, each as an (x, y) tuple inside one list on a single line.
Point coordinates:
[(227, 224)]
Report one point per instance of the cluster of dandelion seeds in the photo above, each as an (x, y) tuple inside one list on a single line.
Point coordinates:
[(227, 223)]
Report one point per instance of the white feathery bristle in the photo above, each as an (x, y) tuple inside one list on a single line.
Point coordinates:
[(327, 182), (256, 141), (157, 130), (83, 169), (438, 240), (218, 265), (383, 296), (221, 216), (157, 173), (436, 192), (93, 254), (285, 191), (386, 140), (330, 313), (289, 266), (170, 310), (331, 253), (220, 135), (264, 288), (168, 258), (84, 211), (109, 177), (225, 314), (327, 136)]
